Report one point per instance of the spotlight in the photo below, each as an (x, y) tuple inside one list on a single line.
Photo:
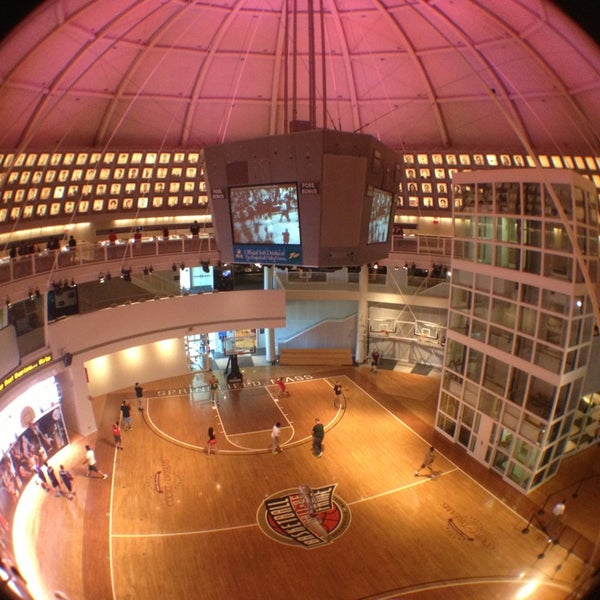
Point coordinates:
[(205, 266), (126, 274), (182, 266), (146, 270), (31, 294), (73, 284), (151, 269), (101, 278), (8, 302)]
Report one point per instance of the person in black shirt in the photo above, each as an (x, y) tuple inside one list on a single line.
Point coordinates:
[(318, 434)]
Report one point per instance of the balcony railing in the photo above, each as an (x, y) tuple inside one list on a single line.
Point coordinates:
[(87, 254)]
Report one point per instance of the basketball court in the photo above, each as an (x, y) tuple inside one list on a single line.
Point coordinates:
[(172, 521)]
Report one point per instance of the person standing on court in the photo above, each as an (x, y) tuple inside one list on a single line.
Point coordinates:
[(139, 394), (427, 462), (67, 480), (116, 428), (53, 479), (555, 521), (213, 388), (318, 435), (126, 412), (275, 437), (90, 459), (338, 394), (374, 360), (40, 473), (282, 387), (212, 441)]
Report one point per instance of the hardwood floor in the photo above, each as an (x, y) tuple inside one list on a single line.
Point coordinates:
[(174, 522)]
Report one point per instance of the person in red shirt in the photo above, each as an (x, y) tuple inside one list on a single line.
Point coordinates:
[(282, 387), (117, 435)]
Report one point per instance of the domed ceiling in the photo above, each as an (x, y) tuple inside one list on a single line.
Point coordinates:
[(412, 73)]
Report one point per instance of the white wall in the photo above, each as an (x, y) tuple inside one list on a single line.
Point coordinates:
[(139, 363)]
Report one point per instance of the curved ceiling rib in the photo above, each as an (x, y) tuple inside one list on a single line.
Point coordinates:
[(203, 69), (335, 15), (544, 66), (28, 129), (101, 135), (277, 72), (490, 70), (443, 129)]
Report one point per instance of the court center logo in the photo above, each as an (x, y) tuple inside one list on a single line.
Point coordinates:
[(304, 517)]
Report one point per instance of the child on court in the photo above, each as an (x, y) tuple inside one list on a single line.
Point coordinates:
[(211, 444)]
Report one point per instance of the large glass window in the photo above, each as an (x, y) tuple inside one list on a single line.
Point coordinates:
[(530, 294), (547, 357), (527, 320), (481, 306), (532, 194), (503, 313), (490, 404), (459, 322), (508, 230), (540, 398), (532, 262), (508, 198), (507, 289), (464, 227), (562, 192), (518, 385), (495, 375), (479, 330), (448, 405), (556, 302), (556, 237), (447, 425), (552, 329), (460, 299), (523, 347), (501, 338), (474, 365)]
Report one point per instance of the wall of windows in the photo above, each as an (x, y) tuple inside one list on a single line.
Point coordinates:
[(521, 320)]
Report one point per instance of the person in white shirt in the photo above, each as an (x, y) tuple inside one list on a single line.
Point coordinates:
[(275, 436)]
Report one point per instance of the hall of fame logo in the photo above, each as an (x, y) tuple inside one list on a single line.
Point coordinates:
[(304, 517)]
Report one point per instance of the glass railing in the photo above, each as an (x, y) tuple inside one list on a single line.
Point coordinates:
[(84, 254)]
